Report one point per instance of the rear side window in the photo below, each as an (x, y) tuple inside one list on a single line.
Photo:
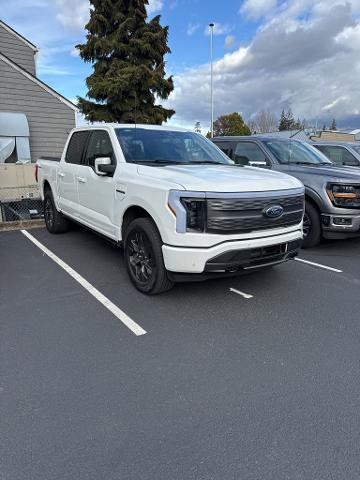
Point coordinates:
[(339, 155), (99, 146), (76, 146)]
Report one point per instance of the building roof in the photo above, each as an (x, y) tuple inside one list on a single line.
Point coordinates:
[(20, 37), (38, 82), (293, 134)]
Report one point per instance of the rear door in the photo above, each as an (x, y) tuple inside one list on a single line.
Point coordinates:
[(96, 192), (68, 173)]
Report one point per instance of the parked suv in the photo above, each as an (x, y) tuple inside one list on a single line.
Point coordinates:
[(341, 153), (175, 201), (332, 193)]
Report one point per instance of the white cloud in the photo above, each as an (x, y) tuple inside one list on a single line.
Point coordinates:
[(192, 28), (154, 6), (305, 57), (229, 41), (219, 29), (258, 8), (73, 14), (74, 52)]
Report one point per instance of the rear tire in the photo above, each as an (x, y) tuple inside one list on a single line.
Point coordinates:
[(55, 222), (144, 258), (312, 227)]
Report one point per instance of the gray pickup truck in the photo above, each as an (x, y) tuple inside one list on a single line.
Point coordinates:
[(332, 193)]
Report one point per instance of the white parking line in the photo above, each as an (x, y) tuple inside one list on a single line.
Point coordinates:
[(245, 295), (134, 327), (319, 265)]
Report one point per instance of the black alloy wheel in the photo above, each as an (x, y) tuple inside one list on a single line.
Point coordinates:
[(311, 226), (141, 257), (49, 213), (55, 221), (144, 257), (306, 225)]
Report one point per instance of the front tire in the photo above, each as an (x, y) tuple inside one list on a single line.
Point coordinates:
[(312, 227), (55, 222), (144, 258)]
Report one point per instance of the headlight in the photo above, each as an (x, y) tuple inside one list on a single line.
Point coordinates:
[(195, 213), (189, 209), (344, 196)]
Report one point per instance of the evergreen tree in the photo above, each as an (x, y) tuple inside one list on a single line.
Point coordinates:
[(298, 124), (232, 124), (291, 124), (283, 121), (333, 125), (127, 53), (197, 127), (287, 121)]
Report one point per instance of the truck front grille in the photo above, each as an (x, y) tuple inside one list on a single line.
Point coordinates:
[(237, 215)]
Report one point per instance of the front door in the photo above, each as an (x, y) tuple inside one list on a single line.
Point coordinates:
[(97, 192)]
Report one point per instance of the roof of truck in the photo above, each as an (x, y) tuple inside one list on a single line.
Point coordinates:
[(132, 125), (245, 138)]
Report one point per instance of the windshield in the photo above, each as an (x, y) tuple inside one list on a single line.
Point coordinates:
[(141, 145), (296, 152)]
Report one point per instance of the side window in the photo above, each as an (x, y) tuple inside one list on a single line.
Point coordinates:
[(246, 152), (226, 147), (99, 145), (339, 155), (76, 146)]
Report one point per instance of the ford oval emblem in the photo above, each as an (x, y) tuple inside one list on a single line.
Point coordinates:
[(275, 211)]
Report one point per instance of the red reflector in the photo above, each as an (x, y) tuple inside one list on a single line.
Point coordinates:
[(36, 172)]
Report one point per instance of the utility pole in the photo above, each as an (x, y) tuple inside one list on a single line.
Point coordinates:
[(212, 25)]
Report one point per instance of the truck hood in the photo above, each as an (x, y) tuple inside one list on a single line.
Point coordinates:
[(330, 172), (221, 178)]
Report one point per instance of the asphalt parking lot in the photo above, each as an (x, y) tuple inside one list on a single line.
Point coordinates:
[(254, 377)]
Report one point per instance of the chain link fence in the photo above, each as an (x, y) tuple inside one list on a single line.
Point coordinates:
[(20, 201)]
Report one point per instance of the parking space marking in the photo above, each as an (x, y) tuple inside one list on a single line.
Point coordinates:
[(116, 311), (242, 294), (319, 265)]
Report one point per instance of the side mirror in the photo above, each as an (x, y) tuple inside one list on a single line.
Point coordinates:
[(257, 164), (103, 166)]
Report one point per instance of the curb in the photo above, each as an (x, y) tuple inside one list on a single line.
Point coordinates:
[(22, 224)]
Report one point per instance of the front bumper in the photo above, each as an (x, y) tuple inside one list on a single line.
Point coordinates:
[(340, 226), (232, 256)]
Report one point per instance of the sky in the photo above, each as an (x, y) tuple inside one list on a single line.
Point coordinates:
[(268, 55)]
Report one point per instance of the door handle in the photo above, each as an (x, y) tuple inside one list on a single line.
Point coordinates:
[(81, 179), (61, 174)]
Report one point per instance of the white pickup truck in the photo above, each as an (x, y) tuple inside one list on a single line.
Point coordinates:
[(179, 206)]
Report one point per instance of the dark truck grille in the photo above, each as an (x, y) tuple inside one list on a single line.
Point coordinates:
[(237, 215)]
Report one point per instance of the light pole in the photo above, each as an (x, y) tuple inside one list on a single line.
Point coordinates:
[(212, 25)]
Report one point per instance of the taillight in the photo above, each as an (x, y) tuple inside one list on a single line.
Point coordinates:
[(36, 172)]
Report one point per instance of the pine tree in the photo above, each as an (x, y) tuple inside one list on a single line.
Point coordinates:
[(333, 125), (287, 121), (197, 127), (291, 124), (127, 53), (283, 122)]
